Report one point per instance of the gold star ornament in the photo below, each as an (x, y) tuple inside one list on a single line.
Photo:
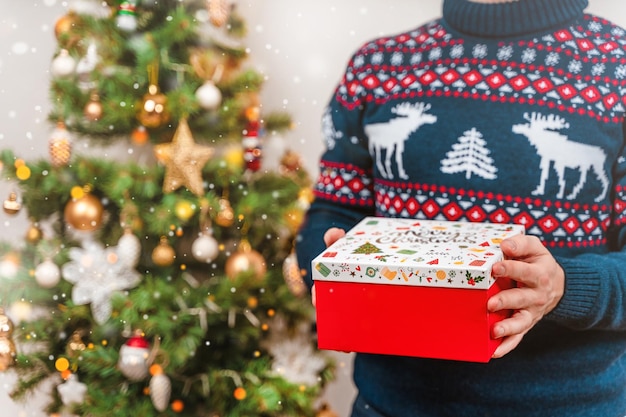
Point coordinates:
[(183, 160)]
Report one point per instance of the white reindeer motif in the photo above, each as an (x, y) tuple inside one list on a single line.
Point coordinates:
[(555, 148), (386, 136)]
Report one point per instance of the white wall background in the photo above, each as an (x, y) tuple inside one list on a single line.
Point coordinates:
[(301, 46)]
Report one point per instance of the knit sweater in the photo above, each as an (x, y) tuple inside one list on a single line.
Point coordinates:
[(506, 113)]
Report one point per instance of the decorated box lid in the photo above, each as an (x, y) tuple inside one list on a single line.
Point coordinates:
[(415, 252)]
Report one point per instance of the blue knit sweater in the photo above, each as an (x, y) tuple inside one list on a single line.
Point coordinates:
[(510, 112)]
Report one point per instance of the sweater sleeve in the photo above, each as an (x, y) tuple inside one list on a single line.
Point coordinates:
[(344, 189), (595, 292), (595, 284)]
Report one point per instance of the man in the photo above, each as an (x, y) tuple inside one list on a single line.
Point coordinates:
[(533, 91)]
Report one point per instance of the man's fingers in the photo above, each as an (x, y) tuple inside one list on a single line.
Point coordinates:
[(519, 323), (507, 345), (522, 247), (512, 299), (525, 273), (511, 331), (332, 235)]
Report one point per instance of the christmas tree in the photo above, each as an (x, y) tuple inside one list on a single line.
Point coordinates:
[(367, 249), (470, 155), (160, 281)]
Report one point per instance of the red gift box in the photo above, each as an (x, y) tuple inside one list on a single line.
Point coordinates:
[(412, 288)]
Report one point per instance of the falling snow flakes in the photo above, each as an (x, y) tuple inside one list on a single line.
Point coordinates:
[(20, 48)]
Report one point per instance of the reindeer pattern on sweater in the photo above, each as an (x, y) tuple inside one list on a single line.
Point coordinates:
[(558, 153)]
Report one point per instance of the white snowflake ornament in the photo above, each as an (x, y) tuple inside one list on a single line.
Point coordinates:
[(296, 361), (72, 391), (294, 357), (97, 273)]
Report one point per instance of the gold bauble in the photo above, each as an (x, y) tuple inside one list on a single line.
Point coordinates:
[(6, 325), (163, 255), (33, 234), (84, 213), (7, 347), (291, 161), (184, 210), (22, 172), (245, 260), (65, 24), (60, 146), (93, 109), (153, 111), (75, 346), (11, 205), (7, 353), (293, 276), (233, 156), (226, 215), (306, 195), (294, 217)]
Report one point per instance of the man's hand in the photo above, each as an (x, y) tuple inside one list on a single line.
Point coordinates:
[(540, 285), (332, 235)]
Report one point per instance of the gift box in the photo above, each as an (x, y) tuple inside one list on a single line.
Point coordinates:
[(411, 288)]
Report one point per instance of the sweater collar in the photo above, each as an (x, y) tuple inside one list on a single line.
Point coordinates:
[(512, 18)]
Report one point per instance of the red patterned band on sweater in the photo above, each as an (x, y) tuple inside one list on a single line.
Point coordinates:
[(558, 223), (549, 73), (345, 183)]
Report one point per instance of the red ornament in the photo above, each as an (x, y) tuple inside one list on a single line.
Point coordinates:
[(127, 8), (138, 341), (133, 359), (252, 146)]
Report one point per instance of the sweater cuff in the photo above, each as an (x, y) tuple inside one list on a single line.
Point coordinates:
[(582, 289)]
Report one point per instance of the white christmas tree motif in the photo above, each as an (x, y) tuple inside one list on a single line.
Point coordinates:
[(470, 155)]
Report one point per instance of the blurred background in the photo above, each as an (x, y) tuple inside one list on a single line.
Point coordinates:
[(300, 47)]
